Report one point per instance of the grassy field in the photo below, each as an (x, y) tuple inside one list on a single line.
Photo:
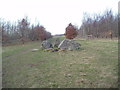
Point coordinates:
[(95, 65)]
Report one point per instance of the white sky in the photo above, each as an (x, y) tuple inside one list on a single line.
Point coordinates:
[(54, 15)]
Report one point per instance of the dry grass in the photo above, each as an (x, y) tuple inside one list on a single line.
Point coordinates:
[(95, 65)]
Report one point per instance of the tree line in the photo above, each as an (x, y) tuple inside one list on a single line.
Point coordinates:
[(99, 25), (22, 31), (103, 25)]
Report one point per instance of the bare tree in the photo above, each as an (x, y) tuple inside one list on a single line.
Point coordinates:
[(104, 25), (23, 27)]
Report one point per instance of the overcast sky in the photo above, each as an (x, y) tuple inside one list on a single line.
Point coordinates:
[(54, 15)]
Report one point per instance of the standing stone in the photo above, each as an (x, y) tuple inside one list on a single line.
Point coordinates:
[(69, 45), (64, 44), (46, 45), (57, 42)]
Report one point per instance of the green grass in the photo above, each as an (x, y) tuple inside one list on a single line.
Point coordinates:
[(95, 65)]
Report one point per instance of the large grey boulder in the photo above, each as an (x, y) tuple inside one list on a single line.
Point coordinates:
[(56, 43), (46, 44), (69, 45)]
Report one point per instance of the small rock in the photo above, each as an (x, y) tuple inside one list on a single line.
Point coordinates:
[(83, 74), (33, 50), (67, 75)]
